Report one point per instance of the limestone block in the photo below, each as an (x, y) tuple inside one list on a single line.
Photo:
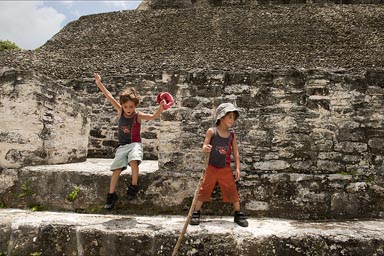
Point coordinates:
[(342, 203), (329, 166), (8, 179), (356, 187), (42, 122), (171, 191), (302, 165), (376, 144), (257, 206), (271, 165), (350, 147), (158, 4)]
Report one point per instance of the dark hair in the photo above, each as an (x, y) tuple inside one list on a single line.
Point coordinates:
[(129, 94), (236, 113)]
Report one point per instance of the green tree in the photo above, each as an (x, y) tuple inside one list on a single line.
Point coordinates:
[(6, 45)]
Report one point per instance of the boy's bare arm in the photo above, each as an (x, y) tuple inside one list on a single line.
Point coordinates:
[(153, 116), (206, 146), (236, 156), (106, 93)]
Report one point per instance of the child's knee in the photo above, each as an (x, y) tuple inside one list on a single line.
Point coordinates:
[(134, 163), (116, 172)]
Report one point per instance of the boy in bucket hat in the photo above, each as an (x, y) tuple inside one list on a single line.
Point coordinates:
[(220, 142)]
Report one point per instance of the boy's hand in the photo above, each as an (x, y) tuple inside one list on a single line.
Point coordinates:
[(237, 176), (162, 105), (207, 148)]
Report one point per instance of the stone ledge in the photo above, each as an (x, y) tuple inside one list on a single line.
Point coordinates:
[(53, 233), (93, 166), (82, 187), (48, 186)]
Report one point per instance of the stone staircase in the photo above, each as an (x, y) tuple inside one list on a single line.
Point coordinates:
[(80, 226)]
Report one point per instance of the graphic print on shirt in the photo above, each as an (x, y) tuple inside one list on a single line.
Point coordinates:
[(125, 129), (221, 149)]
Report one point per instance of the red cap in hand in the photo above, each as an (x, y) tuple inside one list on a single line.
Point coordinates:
[(166, 98)]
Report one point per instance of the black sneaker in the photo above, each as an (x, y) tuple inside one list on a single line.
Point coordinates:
[(195, 219), (132, 191), (111, 200), (240, 219)]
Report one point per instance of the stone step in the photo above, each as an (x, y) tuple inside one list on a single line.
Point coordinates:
[(82, 187), (79, 187), (24, 232)]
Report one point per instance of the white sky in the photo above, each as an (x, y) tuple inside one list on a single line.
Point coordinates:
[(30, 24)]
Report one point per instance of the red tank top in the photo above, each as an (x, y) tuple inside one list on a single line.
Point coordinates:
[(221, 150), (129, 129)]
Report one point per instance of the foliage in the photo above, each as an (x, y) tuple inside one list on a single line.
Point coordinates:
[(2, 205), (35, 254), (74, 194), (25, 187), (370, 179), (36, 208), (353, 173), (6, 45)]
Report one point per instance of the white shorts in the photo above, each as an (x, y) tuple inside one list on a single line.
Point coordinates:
[(127, 153)]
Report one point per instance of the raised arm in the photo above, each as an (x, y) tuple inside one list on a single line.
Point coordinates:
[(153, 116), (107, 94)]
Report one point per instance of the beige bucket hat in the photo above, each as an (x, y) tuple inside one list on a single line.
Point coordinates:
[(225, 108)]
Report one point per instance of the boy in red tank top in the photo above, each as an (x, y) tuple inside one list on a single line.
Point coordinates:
[(130, 150), (220, 143)]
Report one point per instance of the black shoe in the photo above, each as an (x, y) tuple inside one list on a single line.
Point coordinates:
[(195, 219), (132, 191), (240, 219), (111, 200)]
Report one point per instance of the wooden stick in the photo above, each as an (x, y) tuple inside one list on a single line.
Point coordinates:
[(193, 205)]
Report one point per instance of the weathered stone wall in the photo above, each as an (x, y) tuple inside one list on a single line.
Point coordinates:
[(305, 121), (42, 122), (311, 141), (158, 4)]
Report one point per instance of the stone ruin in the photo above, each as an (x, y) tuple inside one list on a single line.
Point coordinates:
[(160, 4), (42, 121), (308, 80)]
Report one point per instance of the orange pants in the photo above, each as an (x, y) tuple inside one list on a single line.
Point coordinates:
[(226, 181)]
